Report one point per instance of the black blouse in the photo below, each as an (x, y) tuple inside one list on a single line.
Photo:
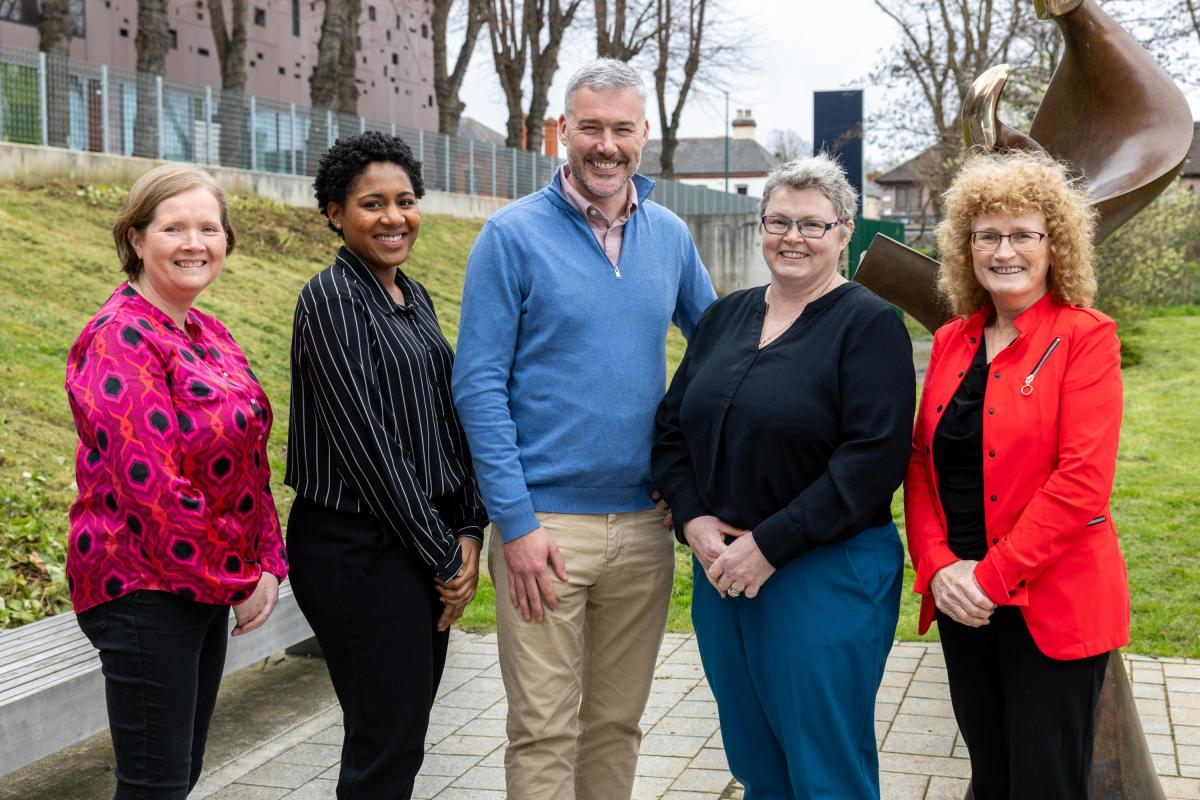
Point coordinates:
[(958, 460), (803, 441), (373, 427)]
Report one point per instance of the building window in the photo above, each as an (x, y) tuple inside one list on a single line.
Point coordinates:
[(395, 58), (424, 31), (371, 13), (202, 51), (124, 32), (260, 17), (742, 188), (295, 17), (174, 34)]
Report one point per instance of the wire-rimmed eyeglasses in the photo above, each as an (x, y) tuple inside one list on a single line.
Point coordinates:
[(1020, 241), (808, 228)]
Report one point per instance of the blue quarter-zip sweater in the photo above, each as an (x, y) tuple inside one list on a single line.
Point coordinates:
[(562, 358)]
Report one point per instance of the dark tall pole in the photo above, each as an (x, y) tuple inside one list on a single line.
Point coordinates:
[(726, 142)]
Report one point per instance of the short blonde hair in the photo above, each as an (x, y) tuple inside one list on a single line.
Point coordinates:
[(159, 184), (1017, 182)]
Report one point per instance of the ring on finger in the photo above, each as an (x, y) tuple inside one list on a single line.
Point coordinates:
[(734, 592)]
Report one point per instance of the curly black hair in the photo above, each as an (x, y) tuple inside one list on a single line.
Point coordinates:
[(349, 157)]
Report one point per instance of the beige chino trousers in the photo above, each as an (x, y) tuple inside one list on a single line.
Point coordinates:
[(577, 683)]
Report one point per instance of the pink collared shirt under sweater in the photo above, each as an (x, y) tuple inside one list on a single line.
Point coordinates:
[(608, 234)]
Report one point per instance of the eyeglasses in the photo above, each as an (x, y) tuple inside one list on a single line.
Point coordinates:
[(808, 228), (1021, 241)]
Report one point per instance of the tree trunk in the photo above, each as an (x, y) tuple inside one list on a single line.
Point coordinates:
[(624, 40), (153, 39), (231, 51), (694, 30), (543, 62), (507, 23), (447, 83), (323, 83), (347, 85), (54, 39)]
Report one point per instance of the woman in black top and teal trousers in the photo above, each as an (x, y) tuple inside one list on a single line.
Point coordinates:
[(385, 533), (781, 440)]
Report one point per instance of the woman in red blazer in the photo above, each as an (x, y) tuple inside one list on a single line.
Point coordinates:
[(1007, 493)]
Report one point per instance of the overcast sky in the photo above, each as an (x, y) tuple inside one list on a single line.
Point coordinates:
[(798, 48)]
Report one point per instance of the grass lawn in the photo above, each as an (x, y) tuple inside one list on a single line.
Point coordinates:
[(57, 248)]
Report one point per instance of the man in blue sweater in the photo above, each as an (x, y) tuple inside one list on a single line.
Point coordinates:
[(561, 363)]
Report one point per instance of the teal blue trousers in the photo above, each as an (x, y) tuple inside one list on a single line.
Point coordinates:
[(795, 669)]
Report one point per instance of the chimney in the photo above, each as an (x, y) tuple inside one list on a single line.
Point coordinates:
[(743, 124), (550, 137)]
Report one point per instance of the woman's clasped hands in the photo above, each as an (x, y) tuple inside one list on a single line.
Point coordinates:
[(959, 596), (738, 565), (458, 592)]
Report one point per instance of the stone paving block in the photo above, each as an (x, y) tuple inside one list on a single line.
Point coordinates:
[(477, 777), (281, 774), (1187, 734), (897, 786), (688, 726), (884, 712), (1187, 685), (475, 661), (331, 735), (1182, 699), (446, 764), (946, 788), (459, 745), (1189, 771), (319, 755), (1147, 675), (1153, 724), (679, 686), (929, 673), (928, 689), (1191, 671), (444, 714), (694, 708), (927, 707), (651, 716), (677, 670), (318, 789), (496, 711), (1164, 763), (661, 766), (902, 664), (897, 679), (493, 671), (674, 795), (663, 699), (647, 788), (889, 694), (924, 765), (332, 773), (468, 697), (242, 791), (1153, 708), (1181, 788), (702, 780), (438, 731), (483, 726), (494, 758), (1149, 691), (1158, 743), (1185, 716), (914, 723), (701, 693), (427, 786), (711, 758), (716, 741), (921, 744), (881, 730), (663, 745), (1188, 754), (455, 793)]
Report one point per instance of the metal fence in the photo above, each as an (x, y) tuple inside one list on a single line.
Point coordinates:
[(61, 102)]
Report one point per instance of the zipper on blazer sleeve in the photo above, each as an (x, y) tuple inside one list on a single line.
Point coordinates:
[(1027, 389)]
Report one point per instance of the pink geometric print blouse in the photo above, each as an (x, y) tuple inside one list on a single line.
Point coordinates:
[(171, 465)]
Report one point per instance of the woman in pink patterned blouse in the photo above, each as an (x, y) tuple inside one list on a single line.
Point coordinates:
[(174, 522)]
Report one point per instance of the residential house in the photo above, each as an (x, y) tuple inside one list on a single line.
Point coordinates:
[(701, 161)]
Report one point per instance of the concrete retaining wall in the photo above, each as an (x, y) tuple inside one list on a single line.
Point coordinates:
[(729, 244)]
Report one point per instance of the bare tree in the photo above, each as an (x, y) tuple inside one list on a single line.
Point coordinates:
[(945, 45), (151, 43), (547, 26), (786, 145), (347, 83), (625, 32), (339, 28), (1170, 29), (507, 26), (447, 82), (231, 53), (54, 39)]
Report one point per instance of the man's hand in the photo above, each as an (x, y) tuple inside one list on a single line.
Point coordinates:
[(958, 595), (742, 567), (458, 592), (528, 581), (258, 606), (660, 502)]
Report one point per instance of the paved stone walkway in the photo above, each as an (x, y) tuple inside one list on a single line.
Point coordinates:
[(922, 756)]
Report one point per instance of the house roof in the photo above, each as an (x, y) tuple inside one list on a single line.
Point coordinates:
[(470, 128), (1192, 168), (706, 156), (915, 170)]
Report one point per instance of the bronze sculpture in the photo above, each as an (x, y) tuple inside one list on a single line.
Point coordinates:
[(1112, 113)]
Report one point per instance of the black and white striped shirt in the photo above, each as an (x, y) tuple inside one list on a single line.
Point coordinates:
[(373, 427)]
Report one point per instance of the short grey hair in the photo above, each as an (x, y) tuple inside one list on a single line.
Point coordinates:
[(820, 172), (606, 73)]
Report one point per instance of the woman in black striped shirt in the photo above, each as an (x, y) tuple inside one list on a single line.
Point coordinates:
[(385, 533)]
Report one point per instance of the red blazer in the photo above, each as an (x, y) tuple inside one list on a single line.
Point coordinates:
[(1050, 428)]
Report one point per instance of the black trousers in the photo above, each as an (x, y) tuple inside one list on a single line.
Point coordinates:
[(162, 656), (1028, 719), (374, 610)]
